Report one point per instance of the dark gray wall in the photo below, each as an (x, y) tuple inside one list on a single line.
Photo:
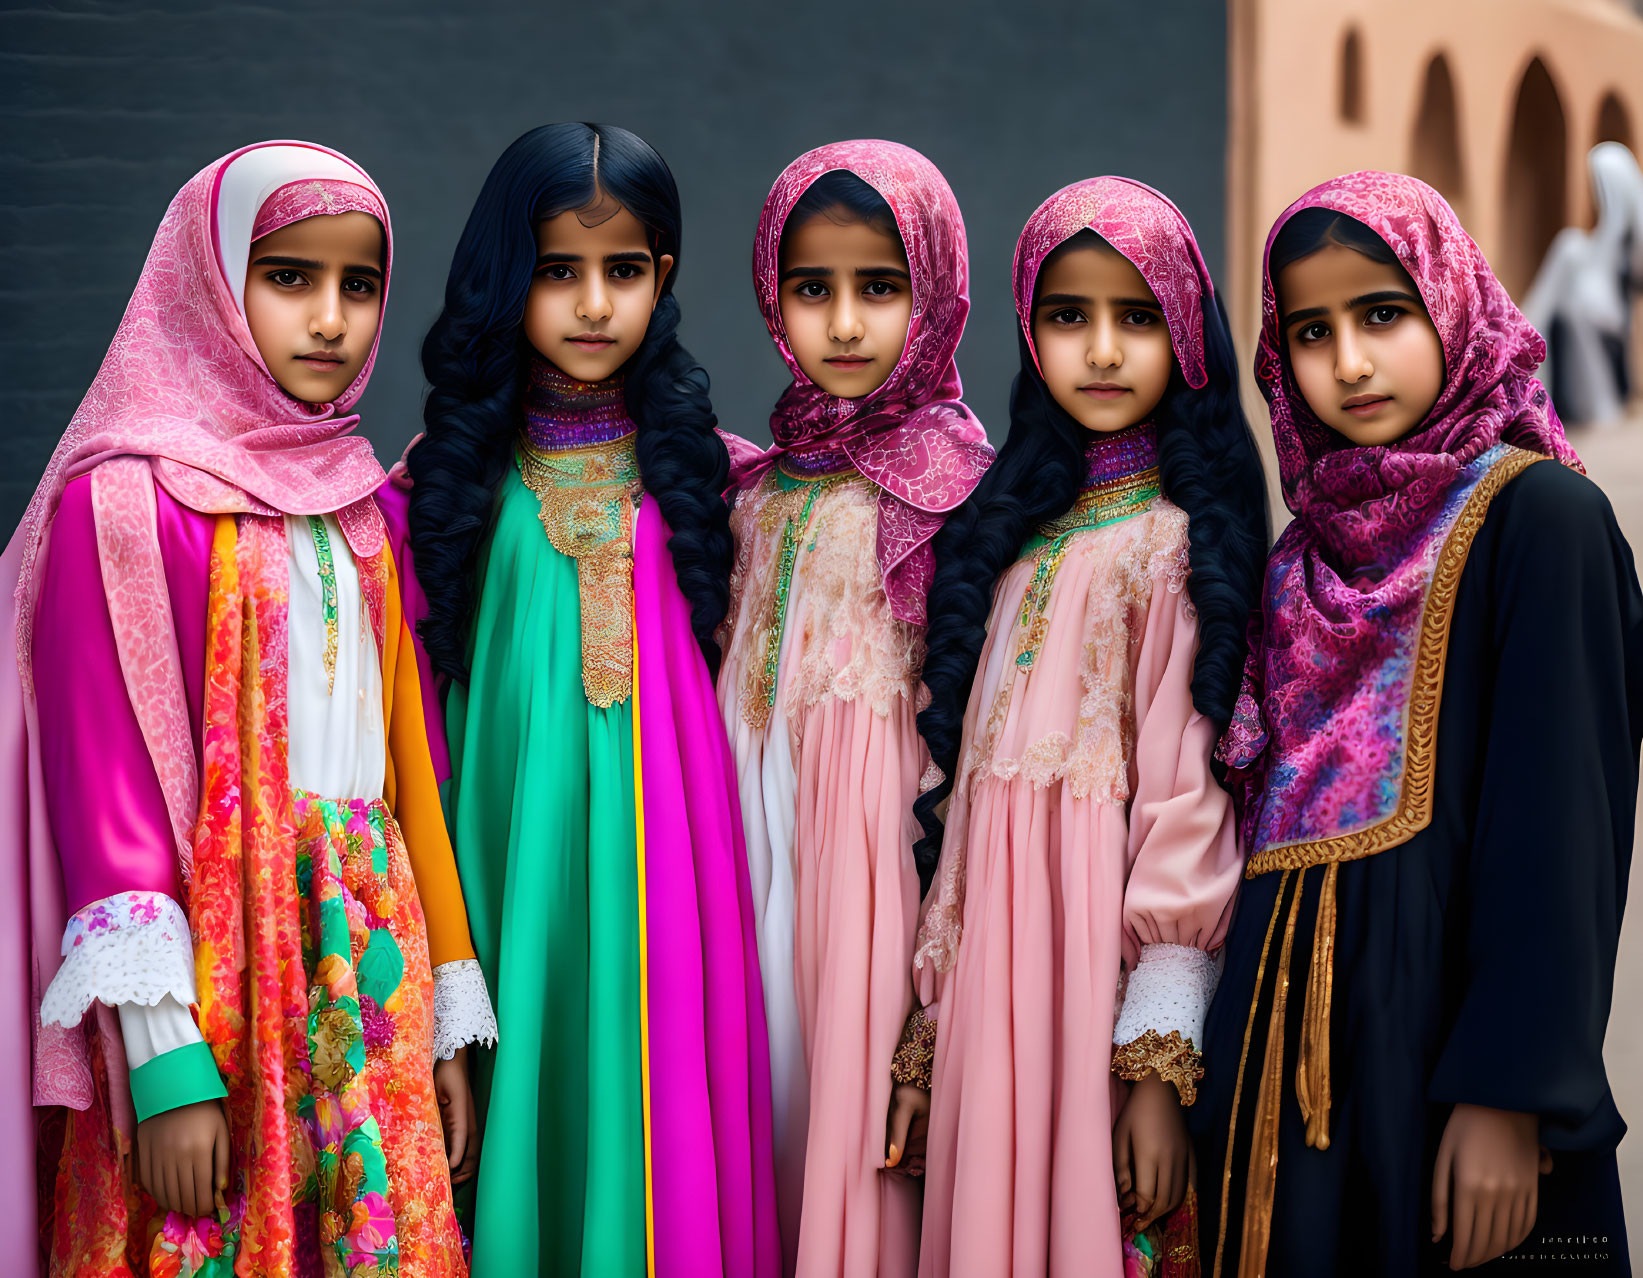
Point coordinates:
[(108, 106)]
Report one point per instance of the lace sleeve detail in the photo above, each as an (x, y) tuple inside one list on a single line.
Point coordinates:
[(132, 947), (1162, 1020), (462, 1008)]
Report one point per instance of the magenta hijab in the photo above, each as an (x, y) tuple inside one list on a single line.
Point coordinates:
[(913, 436), (182, 395), (1147, 228), (1320, 732)]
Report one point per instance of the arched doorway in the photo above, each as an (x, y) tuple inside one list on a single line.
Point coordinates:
[(1434, 147), (1351, 81), (1534, 205), (1613, 124)]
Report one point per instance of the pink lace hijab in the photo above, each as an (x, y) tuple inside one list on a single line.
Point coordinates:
[(183, 397), (913, 436), (1147, 228)]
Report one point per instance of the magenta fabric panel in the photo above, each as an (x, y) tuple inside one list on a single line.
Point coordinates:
[(395, 504), (108, 815), (713, 1176)]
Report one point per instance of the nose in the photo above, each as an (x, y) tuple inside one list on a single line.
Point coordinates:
[(1104, 350), (593, 303), (1351, 358), (328, 322), (844, 323)]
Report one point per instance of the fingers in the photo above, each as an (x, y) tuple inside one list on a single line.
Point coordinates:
[(901, 1118), (202, 1180), (219, 1168), (173, 1200), (1483, 1230), (456, 1134), (1146, 1187), (1123, 1162), (1440, 1190), (1464, 1213)]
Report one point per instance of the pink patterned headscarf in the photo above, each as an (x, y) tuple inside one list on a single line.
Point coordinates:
[(913, 436), (1147, 228), (1319, 730), (182, 396)]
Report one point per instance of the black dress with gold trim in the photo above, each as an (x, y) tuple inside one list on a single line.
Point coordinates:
[(1472, 961)]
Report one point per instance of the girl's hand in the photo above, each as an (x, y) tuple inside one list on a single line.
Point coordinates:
[(906, 1129), (182, 1157), (1152, 1159), (457, 1117), (1486, 1183)]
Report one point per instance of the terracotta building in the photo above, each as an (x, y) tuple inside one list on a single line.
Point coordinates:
[(1494, 102)]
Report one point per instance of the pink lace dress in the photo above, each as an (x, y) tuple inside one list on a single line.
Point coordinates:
[(818, 691), (1088, 847)]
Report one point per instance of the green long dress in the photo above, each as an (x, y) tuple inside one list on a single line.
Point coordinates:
[(542, 816)]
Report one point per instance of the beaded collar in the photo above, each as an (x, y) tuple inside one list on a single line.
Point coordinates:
[(561, 412)]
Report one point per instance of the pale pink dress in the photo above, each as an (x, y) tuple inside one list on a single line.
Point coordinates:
[(1085, 825), (827, 779)]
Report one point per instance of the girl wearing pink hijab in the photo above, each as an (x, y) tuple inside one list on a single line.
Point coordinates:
[(1436, 743), (239, 972), (862, 276), (1086, 638)]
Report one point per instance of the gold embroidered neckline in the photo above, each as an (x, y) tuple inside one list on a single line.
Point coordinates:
[(589, 499)]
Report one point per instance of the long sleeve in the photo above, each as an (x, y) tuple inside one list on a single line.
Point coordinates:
[(127, 944), (1184, 863), (462, 1006), (1541, 899)]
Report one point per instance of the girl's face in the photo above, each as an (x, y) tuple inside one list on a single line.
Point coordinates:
[(846, 299), (1365, 355), (593, 292), (1102, 343), (313, 302)]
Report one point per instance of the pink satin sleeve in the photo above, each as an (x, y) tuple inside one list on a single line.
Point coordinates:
[(1184, 862), (108, 816)]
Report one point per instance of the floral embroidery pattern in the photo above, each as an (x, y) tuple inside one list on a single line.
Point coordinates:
[(315, 997)]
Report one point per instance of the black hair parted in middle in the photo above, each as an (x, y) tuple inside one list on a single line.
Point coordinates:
[(842, 197), (1208, 466), (476, 355)]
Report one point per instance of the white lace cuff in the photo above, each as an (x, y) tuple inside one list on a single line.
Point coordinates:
[(1169, 991), (462, 1008), (132, 947)]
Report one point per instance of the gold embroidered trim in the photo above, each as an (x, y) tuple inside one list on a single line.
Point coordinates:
[(1243, 1060), (915, 1058), (1174, 1058), (1414, 811), (788, 509), (589, 497)]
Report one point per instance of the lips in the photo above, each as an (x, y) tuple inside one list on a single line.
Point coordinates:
[(1365, 405), (1104, 390), (321, 362), (847, 362), (591, 341)]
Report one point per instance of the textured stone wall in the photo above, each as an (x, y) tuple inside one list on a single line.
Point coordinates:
[(107, 107)]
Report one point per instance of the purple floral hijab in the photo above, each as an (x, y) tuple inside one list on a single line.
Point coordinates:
[(1332, 728), (913, 436)]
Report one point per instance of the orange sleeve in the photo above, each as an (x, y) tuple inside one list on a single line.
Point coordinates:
[(411, 791)]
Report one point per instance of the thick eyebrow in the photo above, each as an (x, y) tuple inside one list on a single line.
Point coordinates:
[(1377, 299), (879, 272), (308, 264), (807, 273), (1310, 313)]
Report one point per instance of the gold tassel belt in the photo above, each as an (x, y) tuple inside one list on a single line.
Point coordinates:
[(1412, 815)]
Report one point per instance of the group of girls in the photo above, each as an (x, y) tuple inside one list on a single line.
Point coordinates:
[(603, 846)]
